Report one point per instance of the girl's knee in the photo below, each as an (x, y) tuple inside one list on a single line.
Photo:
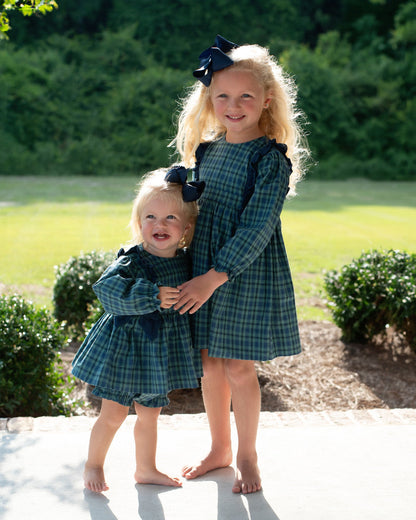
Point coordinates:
[(240, 371), (146, 412), (113, 414)]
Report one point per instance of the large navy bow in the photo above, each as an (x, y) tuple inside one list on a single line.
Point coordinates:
[(190, 190), (214, 58)]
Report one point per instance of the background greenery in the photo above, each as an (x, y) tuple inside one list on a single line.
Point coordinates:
[(92, 87), (46, 220), (26, 7)]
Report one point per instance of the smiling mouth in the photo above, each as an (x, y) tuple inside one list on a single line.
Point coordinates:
[(235, 118), (160, 236)]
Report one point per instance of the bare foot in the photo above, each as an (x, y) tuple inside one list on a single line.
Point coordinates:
[(94, 479), (153, 476), (247, 477), (214, 460)]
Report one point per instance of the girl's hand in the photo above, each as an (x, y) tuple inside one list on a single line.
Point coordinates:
[(196, 292), (168, 296)]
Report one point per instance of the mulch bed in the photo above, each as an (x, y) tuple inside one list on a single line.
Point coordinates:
[(327, 375)]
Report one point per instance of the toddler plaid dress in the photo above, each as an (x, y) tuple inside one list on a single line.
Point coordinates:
[(136, 347), (253, 315)]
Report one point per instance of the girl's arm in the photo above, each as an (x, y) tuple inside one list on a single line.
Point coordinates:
[(124, 290), (196, 292), (260, 219)]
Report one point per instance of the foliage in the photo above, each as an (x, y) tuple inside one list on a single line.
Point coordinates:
[(373, 292), (95, 311), (30, 383), (359, 97), (61, 114), (26, 7), (87, 91), (73, 297)]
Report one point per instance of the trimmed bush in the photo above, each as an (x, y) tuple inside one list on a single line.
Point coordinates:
[(73, 296), (373, 292), (30, 340)]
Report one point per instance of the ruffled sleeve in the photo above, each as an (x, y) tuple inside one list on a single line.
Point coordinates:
[(124, 290), (260, 218)]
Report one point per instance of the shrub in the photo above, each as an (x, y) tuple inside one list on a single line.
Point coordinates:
[(375, 291), (30, 340), (73, 296)]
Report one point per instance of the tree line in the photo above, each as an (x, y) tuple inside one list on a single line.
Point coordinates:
[(93, 88)]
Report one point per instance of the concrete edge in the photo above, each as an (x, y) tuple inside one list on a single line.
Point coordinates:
[(402, 416)]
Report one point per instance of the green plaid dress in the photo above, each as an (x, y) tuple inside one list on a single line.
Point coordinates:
[(136, 347), (253, 315)]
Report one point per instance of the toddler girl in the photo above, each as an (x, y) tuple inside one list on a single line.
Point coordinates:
[(141, 348)]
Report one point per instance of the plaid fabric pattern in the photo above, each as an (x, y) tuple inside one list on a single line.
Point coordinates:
[(117, 355), (127, 398), (253, 315)]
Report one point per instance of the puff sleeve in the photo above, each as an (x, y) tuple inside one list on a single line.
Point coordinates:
[(124, 290)]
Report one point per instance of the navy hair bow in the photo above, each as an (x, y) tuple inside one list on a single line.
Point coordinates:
[(214, 58), (191, 191)]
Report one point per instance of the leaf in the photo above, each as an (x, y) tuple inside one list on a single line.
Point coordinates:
[(26, 10)]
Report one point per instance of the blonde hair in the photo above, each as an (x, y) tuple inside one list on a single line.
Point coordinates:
[(152, 186), (281, 120)]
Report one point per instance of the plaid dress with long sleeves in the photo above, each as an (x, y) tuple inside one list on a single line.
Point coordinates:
[(117, 355), (253, 315)]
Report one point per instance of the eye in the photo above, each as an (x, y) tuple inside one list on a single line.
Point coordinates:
[(150, 216), (246, 96), (171, 217)]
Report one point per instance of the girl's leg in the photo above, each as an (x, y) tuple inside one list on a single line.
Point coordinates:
[(111, 417), (145, 438), (217, 399), (246, 399)]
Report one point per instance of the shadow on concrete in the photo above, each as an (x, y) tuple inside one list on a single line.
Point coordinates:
[(98, 506), (233, 505)]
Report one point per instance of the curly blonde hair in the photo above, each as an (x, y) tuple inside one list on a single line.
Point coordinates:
[(153, 185), (281, 120)]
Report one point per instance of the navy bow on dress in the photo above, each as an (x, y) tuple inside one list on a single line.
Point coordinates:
[(191, 191), (213, 59)]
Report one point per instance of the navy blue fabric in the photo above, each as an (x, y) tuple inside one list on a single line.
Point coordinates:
[(191, 191), (213, 59)]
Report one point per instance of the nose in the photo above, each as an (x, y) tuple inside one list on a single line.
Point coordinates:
[(161, 222), (233, 102)]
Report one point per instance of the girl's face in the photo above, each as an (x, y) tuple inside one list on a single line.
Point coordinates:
[(238, 100), (162, 224)]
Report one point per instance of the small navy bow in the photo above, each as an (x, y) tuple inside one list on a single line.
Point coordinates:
[(150, 323), (191, 191), (213, 59)]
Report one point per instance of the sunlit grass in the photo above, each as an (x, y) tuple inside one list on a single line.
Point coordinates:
[(330, 223), (45, 220)]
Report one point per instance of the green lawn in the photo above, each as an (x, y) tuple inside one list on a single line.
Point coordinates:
[(46, 220)]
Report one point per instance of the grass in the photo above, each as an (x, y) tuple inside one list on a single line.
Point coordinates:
[(46, 220), (330, 223)]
